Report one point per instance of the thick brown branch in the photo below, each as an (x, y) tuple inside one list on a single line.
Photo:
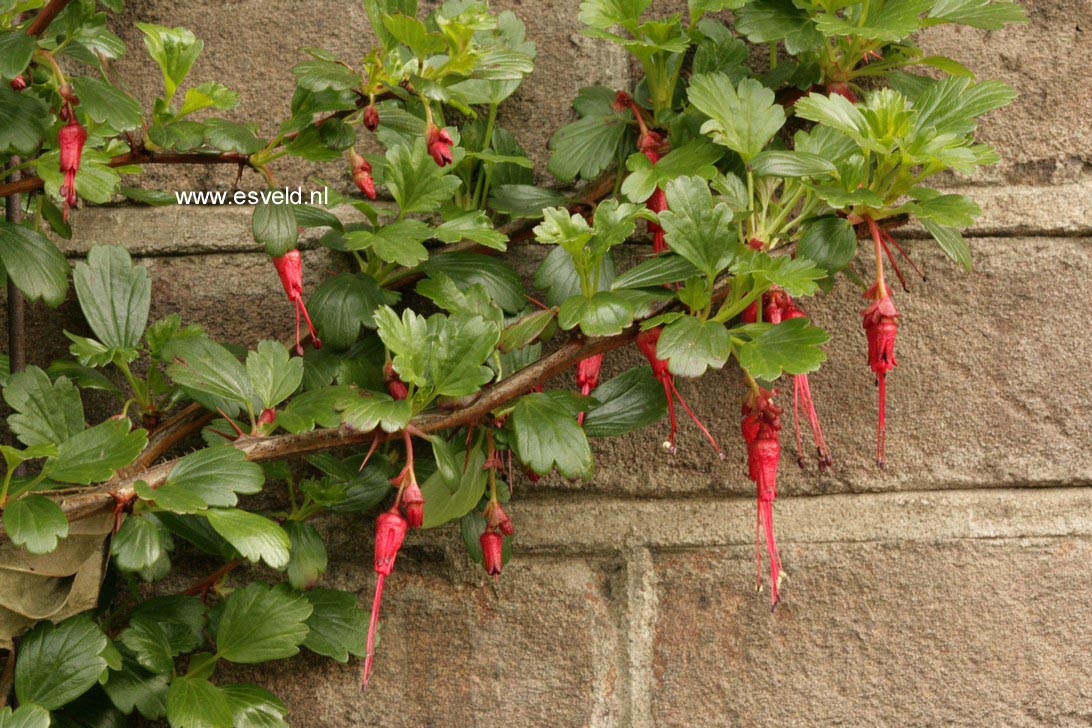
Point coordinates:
[(45, 16), (277, 447)]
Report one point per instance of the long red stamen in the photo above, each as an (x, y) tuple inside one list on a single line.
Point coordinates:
[(765, 510), (888, 238), (301, 307), (372, 625), (902, 281), (881, 433), (802, 393), (697, 422), (669, 390)]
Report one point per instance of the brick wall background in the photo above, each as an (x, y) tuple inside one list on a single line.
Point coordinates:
[(952, 588)]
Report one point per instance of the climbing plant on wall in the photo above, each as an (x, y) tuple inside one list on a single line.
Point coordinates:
[(421, 383)]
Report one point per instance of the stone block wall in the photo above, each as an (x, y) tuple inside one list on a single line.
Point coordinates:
[(950, 589)]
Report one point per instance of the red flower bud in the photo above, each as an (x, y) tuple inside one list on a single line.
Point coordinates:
[(587, 377), (371, 118), (70, 139), (413, 502), (497, 519), (396, 388), (755, 244), (842, 89), (267, 416), (362, 174), (19, 83), (290, 268), (622, 100), (492, 551), (439, 145)]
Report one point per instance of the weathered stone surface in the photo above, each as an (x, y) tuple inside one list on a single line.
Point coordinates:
[(965, 633), (1043, 137), (538, 647)]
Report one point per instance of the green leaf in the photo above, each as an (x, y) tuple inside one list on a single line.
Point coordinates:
[(791, 164), (35, 523), (695, 158), (475, 226), (94, 454), (183, 617), (179, 135), (950, 240), (605, 13), (628, 402), (586, 147), (308, 560), (604, 314), (829, 242), (792, 346), (139, 543), (26, 716), (455, 363), (209, 373), (415, 181), (227, 136), (107, 104), (134, 688), (16, 49), (691, 346), (59, 663), (413, 33), (743, 118), (525, 330), (174, 50), (547, 436), (214, 475), (24, 120), (115, 296), (341, 305), (259, 624), (656, 271), (372, 409), (837, 112), (399, 242), (45, 412), (984, 14), (208, 94), (524, 200), (316, 407), (274, 226), (887, 22), (448, 498), (253, 536), (275, 376), (768, 21), (254, 707), (316, 75), (38, 269), (952, 210), (147, 640), (497, 276), (194, 702), (337, 627), (695, 228)]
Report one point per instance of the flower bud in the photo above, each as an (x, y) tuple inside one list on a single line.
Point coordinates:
[(362, 174), (290, 269), (413, 502), (497, 519), (70, 139), (371, 118), (492, 549), (439, 145), (396, 388), (19, 83), (267, 416)]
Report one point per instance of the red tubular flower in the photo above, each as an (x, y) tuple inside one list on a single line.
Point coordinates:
[(19, 83), (371, 118), (290, 268), (761, 427), (881, 326), (646, 343), (492, 551), (439, 145), (362, 174), (70, 139), (587, 377), (390, 529)]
